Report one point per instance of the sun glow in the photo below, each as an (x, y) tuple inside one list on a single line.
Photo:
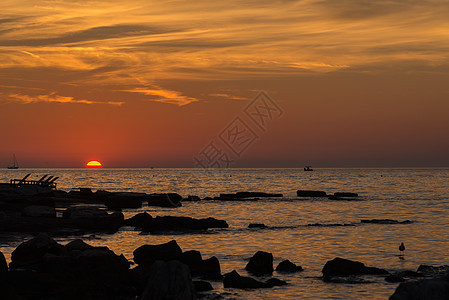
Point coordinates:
[(93, 164)]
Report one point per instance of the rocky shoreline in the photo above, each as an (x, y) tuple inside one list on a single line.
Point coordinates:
[(43, 269)]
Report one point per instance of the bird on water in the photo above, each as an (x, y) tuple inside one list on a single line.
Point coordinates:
[(402, 248)]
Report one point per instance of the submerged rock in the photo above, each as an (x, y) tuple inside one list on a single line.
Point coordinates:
[(309, 193), (261, 263), (346, 194), (385, 221), (257, 225), (246, 195), (287, 266), (169, 280), (345, 267)]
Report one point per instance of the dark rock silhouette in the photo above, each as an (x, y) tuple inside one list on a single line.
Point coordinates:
[(125, 200), (385, 221), (309, 193), (3, 264), (209, 268), (287, 266), (147, 254), (345, 267), (138, 220), (429, 289), (257, 225), (164, 199), (246, 195), (39, 211), (169, 280), (192, 198), (394, 278), (172, 223), (30, 254), (234, 280), (261, 263), (202, 286)]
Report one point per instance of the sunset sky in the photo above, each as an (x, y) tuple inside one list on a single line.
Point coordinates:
[(142, 83)]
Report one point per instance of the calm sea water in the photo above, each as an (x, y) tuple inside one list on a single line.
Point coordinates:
[(419, 195)]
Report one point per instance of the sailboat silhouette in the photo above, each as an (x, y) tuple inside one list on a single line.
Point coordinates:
[(15, 164)]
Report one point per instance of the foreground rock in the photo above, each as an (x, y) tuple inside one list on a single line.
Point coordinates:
[(3, 264), (345, 267), (429, 289), (261, 263), (309, 193), (169, 280), (148, 254), (43, 269), (171, 223), (138, 220), (209, 268), (234, 280)]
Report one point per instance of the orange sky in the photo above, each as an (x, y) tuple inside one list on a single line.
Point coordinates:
[(143, 83)]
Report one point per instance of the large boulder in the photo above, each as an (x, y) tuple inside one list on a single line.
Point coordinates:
[(31, 253), (169, 280), (345, 267), (261, 263), (147, 254), (429, 289), (39, 211), (164, 199), (287, 266)]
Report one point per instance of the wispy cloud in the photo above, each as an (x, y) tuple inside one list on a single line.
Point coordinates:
[(53, 98), (228, 96), (115, 42), (165, 96)]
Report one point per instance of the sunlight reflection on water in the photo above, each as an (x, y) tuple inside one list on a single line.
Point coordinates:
[(419, 195)]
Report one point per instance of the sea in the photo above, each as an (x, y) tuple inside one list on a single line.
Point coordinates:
[(307, 231)]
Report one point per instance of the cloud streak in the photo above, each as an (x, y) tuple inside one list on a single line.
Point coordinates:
[(209, 40), (53, 98)]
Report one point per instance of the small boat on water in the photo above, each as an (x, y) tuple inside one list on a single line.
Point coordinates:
[(15, 164), (308, 168)]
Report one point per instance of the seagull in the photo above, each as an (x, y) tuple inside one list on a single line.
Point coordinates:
[(402, 248)]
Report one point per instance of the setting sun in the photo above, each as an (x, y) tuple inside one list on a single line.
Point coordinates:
[(93, 164)]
